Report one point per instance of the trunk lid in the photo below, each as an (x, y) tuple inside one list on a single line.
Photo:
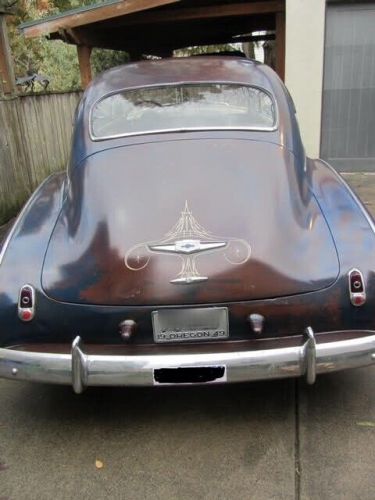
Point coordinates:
[(188, 222)]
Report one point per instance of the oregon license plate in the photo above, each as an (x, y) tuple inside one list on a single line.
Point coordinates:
[(184, 325)]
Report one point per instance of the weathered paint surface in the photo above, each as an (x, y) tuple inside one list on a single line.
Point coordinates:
[(35, 134), (246, 193), (326, 310)]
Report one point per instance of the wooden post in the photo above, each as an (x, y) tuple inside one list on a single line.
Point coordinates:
[(84, 54), (7, 83), (280, 44)]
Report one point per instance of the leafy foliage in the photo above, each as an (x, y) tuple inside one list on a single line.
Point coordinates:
[(57, 60), (52, 58), (8, 6), (205, 49), (102, 59)]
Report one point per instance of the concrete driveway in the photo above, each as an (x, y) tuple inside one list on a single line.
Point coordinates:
[(271, 440), (274, 440)]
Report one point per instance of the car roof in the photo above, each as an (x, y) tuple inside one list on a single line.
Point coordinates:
[(223, 69), (218, 69)]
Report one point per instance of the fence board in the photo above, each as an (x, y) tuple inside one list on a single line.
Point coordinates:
[(35, 134)]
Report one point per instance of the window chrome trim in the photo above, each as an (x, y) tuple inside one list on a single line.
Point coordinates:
[(183, 129)]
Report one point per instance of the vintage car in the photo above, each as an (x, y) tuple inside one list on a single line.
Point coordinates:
[(190, 241)]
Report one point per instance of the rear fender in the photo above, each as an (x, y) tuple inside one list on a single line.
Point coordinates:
[(22, 252), (351, 225)]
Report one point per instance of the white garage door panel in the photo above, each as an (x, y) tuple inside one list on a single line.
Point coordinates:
[(348, 114)]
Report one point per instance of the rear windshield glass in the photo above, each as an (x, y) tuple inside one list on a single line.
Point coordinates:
[(182, 107)]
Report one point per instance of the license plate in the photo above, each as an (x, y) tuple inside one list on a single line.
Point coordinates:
[(190, 325), (190, 375)]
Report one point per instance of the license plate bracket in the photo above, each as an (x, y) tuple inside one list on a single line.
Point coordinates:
[(190, 325)]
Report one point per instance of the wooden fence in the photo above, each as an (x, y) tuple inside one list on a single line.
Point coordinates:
[(35, 134)]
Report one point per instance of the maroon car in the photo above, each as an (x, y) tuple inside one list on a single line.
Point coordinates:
[(190, 241)]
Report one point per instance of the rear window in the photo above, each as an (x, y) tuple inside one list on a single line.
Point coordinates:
[(182, 107)]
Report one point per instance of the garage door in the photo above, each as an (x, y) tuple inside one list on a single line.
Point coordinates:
[(348, 118)]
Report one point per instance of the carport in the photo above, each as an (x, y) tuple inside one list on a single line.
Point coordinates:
[(158, 27)]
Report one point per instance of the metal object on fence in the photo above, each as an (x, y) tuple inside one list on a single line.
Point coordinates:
[(29, 81)]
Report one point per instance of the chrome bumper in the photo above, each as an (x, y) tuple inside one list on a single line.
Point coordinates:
[(81, 370)]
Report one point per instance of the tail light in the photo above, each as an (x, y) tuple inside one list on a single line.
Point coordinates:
[(357, 289), (26, 303)]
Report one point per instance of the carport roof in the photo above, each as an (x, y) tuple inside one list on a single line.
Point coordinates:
[(158, 26)]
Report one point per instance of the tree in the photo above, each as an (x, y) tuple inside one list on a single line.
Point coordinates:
[(36, 55), (205, 49), (52, 58), (57, 60), (7, 6)]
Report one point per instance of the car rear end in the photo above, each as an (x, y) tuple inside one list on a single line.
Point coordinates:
[(203, 253)]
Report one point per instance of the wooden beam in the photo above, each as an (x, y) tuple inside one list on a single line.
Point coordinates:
[(204, 12), (7, 83), (280, 44), (90, 16), (84, 54), (172, 36), (71, 36)]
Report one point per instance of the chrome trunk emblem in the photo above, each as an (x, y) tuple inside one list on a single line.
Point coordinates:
[(188, 240), (188, 246)]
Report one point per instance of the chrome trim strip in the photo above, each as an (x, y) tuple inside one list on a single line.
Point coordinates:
[(179, 130), (81, 370), (353, 195), (183, 130), (14, 228), (19, 218), (188, 280)]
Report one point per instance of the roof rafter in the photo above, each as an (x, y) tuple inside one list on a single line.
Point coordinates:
[(203, 12), (90, 15), (172, 36)]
